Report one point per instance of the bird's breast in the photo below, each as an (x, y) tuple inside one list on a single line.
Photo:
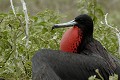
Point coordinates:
[(71, 39)]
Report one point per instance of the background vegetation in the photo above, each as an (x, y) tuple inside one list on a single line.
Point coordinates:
[(15, 57)]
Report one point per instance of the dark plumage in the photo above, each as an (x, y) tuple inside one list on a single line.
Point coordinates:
[(90, 55)]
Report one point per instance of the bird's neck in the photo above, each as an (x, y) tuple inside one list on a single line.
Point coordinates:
[(84, 42)]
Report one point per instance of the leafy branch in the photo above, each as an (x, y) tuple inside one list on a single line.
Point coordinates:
[(117, 32)]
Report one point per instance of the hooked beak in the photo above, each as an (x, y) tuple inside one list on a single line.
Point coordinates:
[(67, 24)]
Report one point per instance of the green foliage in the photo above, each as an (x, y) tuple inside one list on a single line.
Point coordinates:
[(15, 57), (114, 77), (41, 33)]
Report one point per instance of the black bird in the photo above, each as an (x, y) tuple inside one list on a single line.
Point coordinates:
[(89, 55)]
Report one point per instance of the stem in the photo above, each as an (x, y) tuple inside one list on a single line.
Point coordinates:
[(13, 7), (27, 22), (97, 71)]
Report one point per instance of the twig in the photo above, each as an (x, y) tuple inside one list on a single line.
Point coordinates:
[(1, 20), (24, 67), (8, 57), (116, 31), (27, 21), (97, 71), (13, 7)]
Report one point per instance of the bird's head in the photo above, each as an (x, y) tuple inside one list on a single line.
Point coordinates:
[(84, 22), (75, 37)]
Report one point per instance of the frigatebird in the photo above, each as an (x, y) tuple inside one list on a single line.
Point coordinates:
[(79, 57)]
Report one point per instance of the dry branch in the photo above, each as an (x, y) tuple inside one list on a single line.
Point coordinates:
[(27, 21), (117, 32), (13, 9)]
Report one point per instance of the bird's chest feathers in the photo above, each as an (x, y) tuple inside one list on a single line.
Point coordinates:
[(71, 40)]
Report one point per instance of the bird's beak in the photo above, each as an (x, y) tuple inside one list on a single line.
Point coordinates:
[(67, 24)]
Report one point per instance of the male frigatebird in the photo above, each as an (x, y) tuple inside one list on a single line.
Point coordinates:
[(79, 55)]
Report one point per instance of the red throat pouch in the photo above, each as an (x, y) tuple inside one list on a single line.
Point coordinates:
[(71, 39)]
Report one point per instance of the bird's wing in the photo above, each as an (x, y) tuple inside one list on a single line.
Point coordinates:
[(57, 65), (117, 62)]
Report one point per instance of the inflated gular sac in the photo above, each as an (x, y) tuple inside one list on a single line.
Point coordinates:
[(71, 40)]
